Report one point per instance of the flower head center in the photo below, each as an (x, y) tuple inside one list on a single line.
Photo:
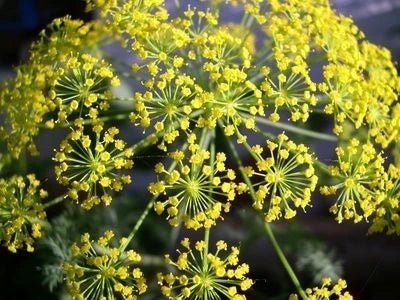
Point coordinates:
[(206, 282), (192, 188), (170, 109), (350, 182)]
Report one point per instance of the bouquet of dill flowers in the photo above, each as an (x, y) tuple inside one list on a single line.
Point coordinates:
[(204, 92)]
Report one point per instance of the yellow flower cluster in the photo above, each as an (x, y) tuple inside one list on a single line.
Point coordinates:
[(359, 169), (360, 81), (21, 212), (290, 27), (137, 19), (387, 213), (22, 117), (100, 271), (294, 92), (199, 71), (351, 80), (203, 275), (287, 176), (234, 102), (167, 103), (327, 291), (64, 37), (23, 99), (87, 164), (198, 188), (81, 86)]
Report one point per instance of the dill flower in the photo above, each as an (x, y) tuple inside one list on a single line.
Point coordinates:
[(386, 217), (100, 271), (327, 291), (358, 170), (288, 26), (287, 176), (21, 212), (198, 189), (87, 163), (382, 114), (224, 46), (160, 46), (203, 275), (64, 37), (342, 87), (137, 19), (23, 104), (167, 105), (234, 102), (24, 99), (81, 85), (295, 92)]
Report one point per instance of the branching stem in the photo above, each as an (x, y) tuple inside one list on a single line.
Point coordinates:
[(55, 201), (296, 129)]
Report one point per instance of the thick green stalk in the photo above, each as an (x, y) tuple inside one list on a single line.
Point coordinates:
[(139, 222), (284, 261), (55, 201), (141, 145), (205, 251), (295, 129), (207, 230), (268, 229)]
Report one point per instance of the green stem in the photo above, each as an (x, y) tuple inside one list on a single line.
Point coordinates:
[(126, 99), (150, 261), (284, 261), (141, 145), (54, 201), (320, 165), (205, 251), (207, 230), (204, 139), (270, 234), (139, 222), (295, 129), (212, 155)]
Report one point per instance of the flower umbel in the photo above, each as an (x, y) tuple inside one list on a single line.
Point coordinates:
[(287, 175), (387, 214), (20, 212), (81, 85), (358, 169), (198, 191), (99, 271), (167, 104), (213, 277), (87, 163)]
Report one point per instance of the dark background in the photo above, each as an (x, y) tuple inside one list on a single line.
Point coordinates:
[(371, 264)]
